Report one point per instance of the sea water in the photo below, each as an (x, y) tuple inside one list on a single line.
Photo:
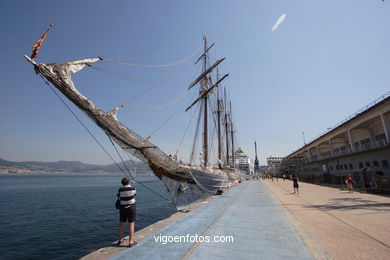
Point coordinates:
[(56, 216)]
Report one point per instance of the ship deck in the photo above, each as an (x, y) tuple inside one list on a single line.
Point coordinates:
[(247, 213)]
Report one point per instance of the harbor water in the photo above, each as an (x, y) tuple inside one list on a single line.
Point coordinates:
[(55, 216)]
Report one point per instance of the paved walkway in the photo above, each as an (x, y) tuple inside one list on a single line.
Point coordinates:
[(247, 212), (345, 225)]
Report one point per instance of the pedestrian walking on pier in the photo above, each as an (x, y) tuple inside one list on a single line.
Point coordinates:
[(349, 181), (127, 211), (295, 183)]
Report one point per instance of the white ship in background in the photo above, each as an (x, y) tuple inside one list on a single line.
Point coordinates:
[(243, 162)]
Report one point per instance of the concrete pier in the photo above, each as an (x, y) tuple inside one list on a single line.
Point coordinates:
[(268, 221), (345, 226), (247, 214)]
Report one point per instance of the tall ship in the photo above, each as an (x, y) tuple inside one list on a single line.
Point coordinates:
[(186, 182)]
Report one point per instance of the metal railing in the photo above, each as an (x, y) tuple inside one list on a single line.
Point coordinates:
[(361, 110), (347, 150)]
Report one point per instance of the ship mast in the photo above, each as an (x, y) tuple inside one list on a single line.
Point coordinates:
[(219, 110), (226, 129), (231, 132), (205, 116), (203, 94)]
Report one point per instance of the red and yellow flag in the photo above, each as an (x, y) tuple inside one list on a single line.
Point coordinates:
[(38, 44)]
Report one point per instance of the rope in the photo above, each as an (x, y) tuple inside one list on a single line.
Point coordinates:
[(185, 133), (163, 105), (121, 157), (158, 194), (151, 65), (225, 178), (130, 78), (166, 121), (85, 127), (154, 83), (149, 89), (122, 76), (195, 137), (141, 184), (149, 49), (97, 141), (131, 159), (214, 128), (199, 184), (134, 181)]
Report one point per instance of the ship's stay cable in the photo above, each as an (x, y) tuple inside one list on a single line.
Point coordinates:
[(97, 141), (232, 117), (198, 183), (85, 127), (130, 156), (158, 194), (150, 49), (155, 84), (124, 76), (134, 181), (166, 121), (214, 128), (194, 145), (123, 162), (151, 88), (163, 105), (185, 133), (135, 79), (132, 160), (153, 65)]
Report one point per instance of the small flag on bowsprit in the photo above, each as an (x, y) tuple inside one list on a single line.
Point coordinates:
[(38, 44)]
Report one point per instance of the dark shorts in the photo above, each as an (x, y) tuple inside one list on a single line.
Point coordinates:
[(296, 185), (127, 214)]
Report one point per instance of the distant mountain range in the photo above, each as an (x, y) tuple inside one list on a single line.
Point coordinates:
[(67, 167)]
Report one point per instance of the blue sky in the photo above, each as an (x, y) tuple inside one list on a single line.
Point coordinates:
[(324, 62)]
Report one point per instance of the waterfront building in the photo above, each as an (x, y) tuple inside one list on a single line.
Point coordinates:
[(358, 146)]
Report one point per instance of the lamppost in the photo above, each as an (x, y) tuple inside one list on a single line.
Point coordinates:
[(303, 135)]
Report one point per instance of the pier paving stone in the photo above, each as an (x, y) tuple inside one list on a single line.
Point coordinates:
[(346, 226), (246, 212)]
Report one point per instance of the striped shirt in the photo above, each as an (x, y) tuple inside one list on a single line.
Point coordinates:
[(126, 195)]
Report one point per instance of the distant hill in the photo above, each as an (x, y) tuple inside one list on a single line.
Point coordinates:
[(67, 167)]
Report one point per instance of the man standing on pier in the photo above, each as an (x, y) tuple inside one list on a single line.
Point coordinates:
[(127, 211)]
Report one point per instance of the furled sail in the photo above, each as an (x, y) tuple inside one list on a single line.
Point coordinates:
[(66, 69)]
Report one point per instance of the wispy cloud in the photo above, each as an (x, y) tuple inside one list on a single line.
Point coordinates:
[(278, 22)]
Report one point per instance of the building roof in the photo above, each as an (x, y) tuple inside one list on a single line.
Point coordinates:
[(374, 104)]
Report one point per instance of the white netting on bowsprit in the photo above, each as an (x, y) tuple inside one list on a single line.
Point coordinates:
[(147, 152)]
